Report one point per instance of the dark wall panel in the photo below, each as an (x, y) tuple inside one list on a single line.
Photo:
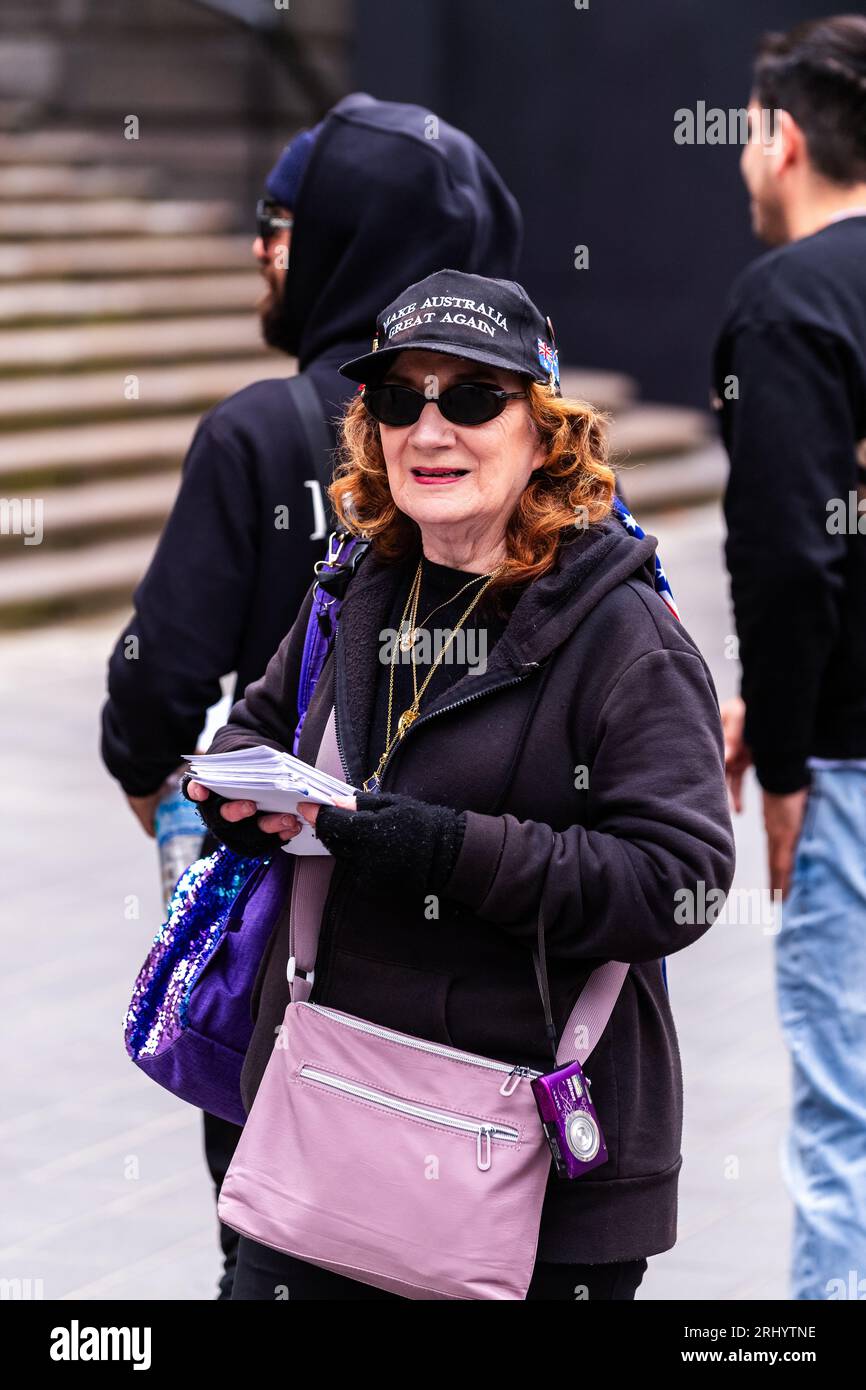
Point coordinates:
[(577, 109)]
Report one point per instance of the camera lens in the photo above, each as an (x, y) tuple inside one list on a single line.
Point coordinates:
[(582, 1136)]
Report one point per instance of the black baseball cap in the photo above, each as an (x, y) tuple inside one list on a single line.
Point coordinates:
[(471, 316)]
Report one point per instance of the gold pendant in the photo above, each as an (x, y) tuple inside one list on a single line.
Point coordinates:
[(406, 718), (407, 640)]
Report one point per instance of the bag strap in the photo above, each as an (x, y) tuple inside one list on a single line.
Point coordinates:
[(345, 550), (593, 1008), (588, 1018), (310, 883), (320, 444), (591, 1013)]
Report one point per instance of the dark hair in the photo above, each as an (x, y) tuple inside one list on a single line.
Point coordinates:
[(817, 72)]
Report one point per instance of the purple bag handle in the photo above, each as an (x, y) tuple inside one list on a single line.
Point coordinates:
[(322, 624)]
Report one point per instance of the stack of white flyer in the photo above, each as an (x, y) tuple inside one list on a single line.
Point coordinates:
[(275, 781)]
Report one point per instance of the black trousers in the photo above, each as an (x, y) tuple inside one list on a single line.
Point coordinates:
[(220, 1141), (266, 1275)]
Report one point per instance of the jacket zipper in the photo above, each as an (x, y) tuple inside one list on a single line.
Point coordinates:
[(424, 718), (434, 714), (454, 1054), (346, 776), (485, 1131)]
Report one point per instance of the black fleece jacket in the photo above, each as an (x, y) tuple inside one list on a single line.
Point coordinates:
[(587, 764), (380, 207)]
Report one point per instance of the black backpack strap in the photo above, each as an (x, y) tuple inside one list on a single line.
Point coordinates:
[(320, 444)]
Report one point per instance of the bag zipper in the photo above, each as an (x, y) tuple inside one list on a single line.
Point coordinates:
[(513, 1074), (485, 1131)]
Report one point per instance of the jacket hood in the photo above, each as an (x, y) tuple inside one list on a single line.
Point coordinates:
[(385, 201), (588, 566)]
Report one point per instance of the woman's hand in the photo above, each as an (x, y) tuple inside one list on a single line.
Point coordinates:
[(387, 835), (310, 809), (281, 823)]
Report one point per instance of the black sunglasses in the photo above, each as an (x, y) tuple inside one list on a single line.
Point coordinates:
[(467, 403), (269, 222)]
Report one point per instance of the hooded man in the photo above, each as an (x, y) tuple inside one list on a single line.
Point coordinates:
[(379, 195)]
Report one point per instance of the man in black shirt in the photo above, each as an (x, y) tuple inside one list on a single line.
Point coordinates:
[(790, 383)]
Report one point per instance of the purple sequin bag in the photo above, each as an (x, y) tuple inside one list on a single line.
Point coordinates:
[(189, 1021)]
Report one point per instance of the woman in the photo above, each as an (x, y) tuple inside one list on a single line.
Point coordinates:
[(576, 735)]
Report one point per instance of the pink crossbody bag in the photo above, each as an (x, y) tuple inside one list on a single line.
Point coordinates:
[(399, 1162)]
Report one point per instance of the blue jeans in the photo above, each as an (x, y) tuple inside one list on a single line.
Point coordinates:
[(821, 982)]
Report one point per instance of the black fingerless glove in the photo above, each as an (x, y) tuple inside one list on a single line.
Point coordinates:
[(413, 842), (244, 836)]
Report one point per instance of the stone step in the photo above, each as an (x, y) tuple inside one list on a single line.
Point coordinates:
[(143, 503), (45, 583), (161, 340), (57, 300), (116, 217), (82, 146), (18, 113), (149, 16), (93, 449), (130, 256), (26, 400), (22, 182), (605, 390), (649, 430), (108, 77), (107, 15), (662, 483)]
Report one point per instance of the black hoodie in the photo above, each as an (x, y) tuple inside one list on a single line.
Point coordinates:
[(390, 195)]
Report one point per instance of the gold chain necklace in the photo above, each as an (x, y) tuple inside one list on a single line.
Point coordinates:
[(408, 717), (410, 636)]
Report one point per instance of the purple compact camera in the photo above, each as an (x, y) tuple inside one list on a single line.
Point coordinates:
[(569, 1120)]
